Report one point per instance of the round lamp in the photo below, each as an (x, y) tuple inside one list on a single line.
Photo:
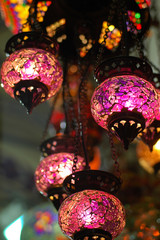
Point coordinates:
[(125, 102), (31, 72), (91, 214)]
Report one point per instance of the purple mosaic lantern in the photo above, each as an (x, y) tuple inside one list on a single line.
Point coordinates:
[(91, 214), (35, 71), (125, 102), (53, 169), (31, 73), (56, 164)]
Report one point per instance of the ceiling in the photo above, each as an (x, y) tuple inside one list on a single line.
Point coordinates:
[(20, 137)]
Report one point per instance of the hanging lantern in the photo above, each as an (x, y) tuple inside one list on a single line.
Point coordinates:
[(53, 169), (93, 212), (125, 102), (31, 73), (150, 161)]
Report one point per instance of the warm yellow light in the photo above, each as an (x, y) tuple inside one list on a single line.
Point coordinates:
[(111, 28), (157, 146), (146, 158)]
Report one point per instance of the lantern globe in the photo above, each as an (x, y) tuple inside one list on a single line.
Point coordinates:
[(125, 100), (53, 169), (91, 209), (31, 68)]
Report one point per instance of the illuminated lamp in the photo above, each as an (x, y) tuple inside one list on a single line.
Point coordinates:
[(150, 161), (91, 212), (125, 102), (31, 74), (55, 166)]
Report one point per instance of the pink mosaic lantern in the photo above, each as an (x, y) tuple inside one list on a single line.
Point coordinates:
[(53, 169), (91, 214), (31, 71), (125, 102), (51, 172)]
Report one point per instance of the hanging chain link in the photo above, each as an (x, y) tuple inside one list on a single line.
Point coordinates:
[(32, 18), (83, 108), (49, 117), (114, 156), (112, 9)]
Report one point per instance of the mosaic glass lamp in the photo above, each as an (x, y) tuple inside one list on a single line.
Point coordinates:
[(125, 102), (58, 153), (31, 73), (91, 211), (92, 207)]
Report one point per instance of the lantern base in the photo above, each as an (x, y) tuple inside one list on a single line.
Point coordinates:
[(57, 196), (151, 135), (30, 93), (126, 125), (92, 234), (92, 179)]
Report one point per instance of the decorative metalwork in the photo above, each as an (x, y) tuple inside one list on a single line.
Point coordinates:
[(123, 65), (95, 179), (57, 144), (33, 39), (91, 209)]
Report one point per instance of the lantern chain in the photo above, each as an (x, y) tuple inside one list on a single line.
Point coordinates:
[(49, 118), (112, 9), (114, 156), (32, 18)]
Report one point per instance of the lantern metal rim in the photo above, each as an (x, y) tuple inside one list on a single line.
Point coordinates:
[(123, 65), (91, 234), (58, 144), (57, 194), (32, 39), (95, 179)]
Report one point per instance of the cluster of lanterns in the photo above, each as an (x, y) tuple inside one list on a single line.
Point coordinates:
[(124, 103)]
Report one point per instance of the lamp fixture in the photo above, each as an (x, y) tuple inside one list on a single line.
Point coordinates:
[(124, 102), (31, 73), (57, 164), (95, 212), (83, 35), (91, 214)]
